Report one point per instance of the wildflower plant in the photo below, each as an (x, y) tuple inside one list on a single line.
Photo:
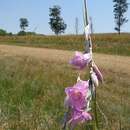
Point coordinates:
[(81, 94)]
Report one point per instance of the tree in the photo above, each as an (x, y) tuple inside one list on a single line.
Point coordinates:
[(120, 8), (23, 24), (56, 23), (3, 32)]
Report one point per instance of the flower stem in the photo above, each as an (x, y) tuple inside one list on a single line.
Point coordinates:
[(95, 111)]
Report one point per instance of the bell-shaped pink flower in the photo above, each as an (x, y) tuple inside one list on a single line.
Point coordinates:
[(76, 95), (76, 100), (80, 60)]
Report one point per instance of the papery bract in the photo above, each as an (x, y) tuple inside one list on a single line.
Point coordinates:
[(98, 73), (87, 31), (94, 79)]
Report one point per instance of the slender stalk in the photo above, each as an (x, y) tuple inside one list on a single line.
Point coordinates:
[(85, 13), (91, 84), (94, 100), (95, 111)]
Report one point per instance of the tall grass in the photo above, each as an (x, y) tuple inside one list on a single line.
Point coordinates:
[(32, 95), (102, 43)]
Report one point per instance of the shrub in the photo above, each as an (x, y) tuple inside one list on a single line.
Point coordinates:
[(3, 32), (21, 33)]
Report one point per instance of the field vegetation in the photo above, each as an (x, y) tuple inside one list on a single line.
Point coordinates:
[(102, 43), (32, 84), (32, 92)]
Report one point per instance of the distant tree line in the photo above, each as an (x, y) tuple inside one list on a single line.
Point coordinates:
[(56, 23), (4, 33), (24, 23)]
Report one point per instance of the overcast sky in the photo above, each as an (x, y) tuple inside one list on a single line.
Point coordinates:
[(37, 13)]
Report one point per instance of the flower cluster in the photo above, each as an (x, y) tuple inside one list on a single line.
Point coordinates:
[(78, 96), (77, 99)]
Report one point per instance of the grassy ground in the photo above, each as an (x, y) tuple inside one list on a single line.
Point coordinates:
[(103, 43), (32, 94)]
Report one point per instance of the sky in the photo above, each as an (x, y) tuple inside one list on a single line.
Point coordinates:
[(37, 13)]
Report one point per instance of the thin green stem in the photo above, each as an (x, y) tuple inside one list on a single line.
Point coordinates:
[(95, 111)]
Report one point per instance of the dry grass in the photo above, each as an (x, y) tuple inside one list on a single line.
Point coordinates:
[(119, 64)]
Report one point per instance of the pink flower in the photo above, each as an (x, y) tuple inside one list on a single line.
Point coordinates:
[(79, 117), (76, 99), (76, 95), (80, 60)]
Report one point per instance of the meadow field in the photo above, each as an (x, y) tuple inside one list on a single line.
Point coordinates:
[(32, 83), (102, 43), (40, 60)]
